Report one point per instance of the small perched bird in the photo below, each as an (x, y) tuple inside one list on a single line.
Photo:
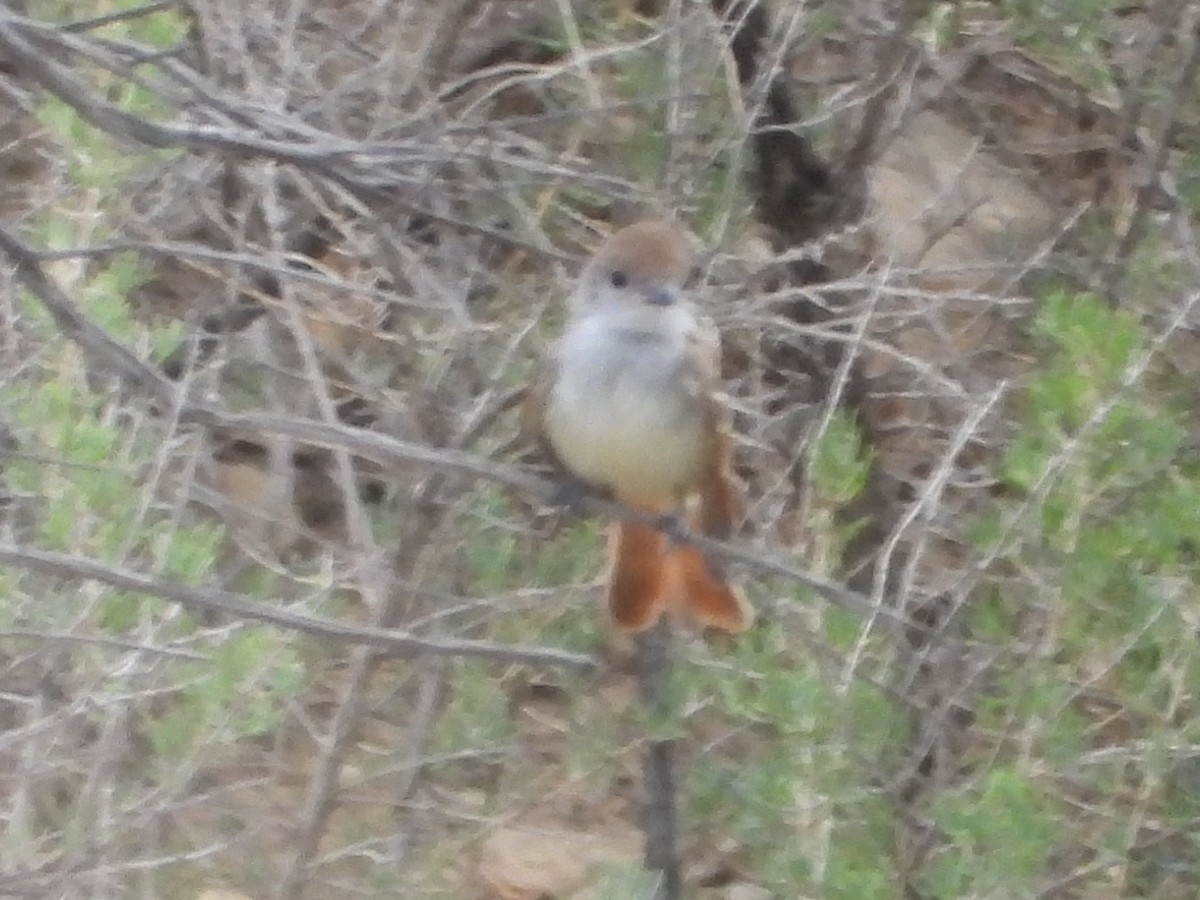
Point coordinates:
[(627, 404)]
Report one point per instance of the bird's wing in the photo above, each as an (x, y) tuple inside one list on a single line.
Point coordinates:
[(720, 505), (533, 409)]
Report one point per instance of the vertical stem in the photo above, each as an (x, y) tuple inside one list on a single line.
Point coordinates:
[(659, 812), (1181, 96)]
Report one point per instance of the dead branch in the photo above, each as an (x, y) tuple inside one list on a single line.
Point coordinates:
[(1181, 96), (385, 642)]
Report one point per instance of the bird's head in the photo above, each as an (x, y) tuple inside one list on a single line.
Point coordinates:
[(643, 266)]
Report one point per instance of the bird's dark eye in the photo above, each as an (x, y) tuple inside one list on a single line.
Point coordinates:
[(618, 279)]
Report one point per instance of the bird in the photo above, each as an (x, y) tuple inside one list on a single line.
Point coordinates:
[(627, 404)]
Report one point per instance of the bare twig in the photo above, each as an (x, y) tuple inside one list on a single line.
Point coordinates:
[(123, 15), (386, 642), (106, 353), (371, 172), (1181, 95)]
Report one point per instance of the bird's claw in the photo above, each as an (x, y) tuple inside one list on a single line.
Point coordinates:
[(569, 495), (672, 525)]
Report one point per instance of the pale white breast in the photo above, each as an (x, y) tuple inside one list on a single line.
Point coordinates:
[(622, 413)]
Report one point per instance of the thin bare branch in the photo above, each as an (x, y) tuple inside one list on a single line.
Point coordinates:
[(1181, 96), (386, 642)]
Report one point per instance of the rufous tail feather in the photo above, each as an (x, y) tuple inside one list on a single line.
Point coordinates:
[(695, 585), (636, 586), (699, 591), (649, 577)]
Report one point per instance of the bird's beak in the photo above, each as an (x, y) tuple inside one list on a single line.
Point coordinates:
[(663, 295)]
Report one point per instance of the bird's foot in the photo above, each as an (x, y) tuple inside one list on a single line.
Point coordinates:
[(673, 526), (570, 493)]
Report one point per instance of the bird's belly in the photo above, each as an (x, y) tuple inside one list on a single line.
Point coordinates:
[(645, 445)]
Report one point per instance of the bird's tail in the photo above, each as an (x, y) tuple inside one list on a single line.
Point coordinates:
[(699, 590), (637, 581), (649, 577)]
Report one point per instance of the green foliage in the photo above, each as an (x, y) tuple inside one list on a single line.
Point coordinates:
[(490, 557), (806, 771), (999, 837), (107, 295), (1121, 512), (638, 92), (88, 458), (160, 28), (1070, 33), (842, 628), (839, 463), (499, 560), (1190, 182), (1108, 507), (478, 719), (241, 691), (94, 478), (647, 149), (624, 883), (95, 161), (90, 503)]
